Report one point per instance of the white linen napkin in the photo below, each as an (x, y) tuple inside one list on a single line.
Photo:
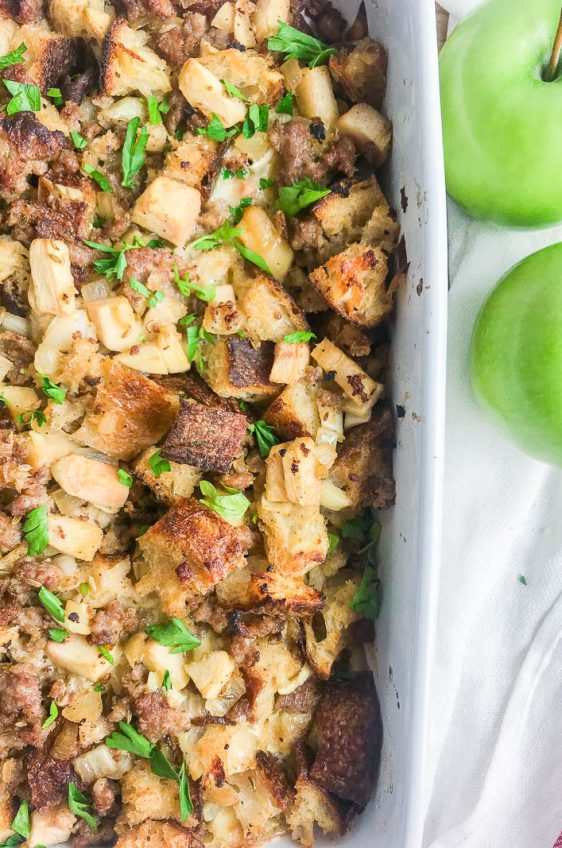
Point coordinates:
[(496, 714)]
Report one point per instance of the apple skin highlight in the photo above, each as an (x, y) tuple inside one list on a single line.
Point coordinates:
[(502, 122)]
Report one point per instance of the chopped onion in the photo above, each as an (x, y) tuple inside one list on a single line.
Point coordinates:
[(16, 324), (333, 498), (102, 762), (98, 290)]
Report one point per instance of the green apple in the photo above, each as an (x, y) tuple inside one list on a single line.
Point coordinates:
[(516, 354), (502, 121)]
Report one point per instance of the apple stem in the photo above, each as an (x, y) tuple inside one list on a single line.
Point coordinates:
[(556, 50)]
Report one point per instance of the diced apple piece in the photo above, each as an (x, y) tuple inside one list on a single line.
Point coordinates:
[(158, 658), (52, 290), (42, 449), (290, 362), (267, 16), (371, 132), (260, 235), (76, 655), (211, 673), (51, 826), (115, 321), (221, 315), (348, 375), (169, 209), (74, 537), (91, 480), (164, 354), (315, 95), (19, 399), (204, 91)]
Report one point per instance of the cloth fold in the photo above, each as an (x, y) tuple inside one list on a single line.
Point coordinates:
[(496, 718)]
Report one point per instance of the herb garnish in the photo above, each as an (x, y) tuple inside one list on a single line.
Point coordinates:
[(298, 45), (13, 58), (305, 192), (187, 288), (31, 415), (21, 823), (53, 713), (78, 140), (106, 654), (256, 120), (125, 478), (97, 176), (132, 155), (216, 130), (265, 437), (156, 109), (52, 604), (56, 96), (174, 634), (158, 464), (50, 389), (234, 91), (286, 104), (196, 335), (25, 98), (228, 233), (36, 531), (57, 634), (299, 336), (232, 506), (166, 681), (79, 804)]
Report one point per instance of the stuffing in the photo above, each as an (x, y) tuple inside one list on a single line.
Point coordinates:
[(169, 208), (192, 160), (157, 834), (370, 131), (147, 796), (328, 634), (26, 147), (169, 486), (186, 553), (295, 537), (234, 368), (313, 806), (205, 437), (129, 65), (268, 312), (360, 69)]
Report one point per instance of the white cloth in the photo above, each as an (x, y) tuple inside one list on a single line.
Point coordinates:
[(495, 752)]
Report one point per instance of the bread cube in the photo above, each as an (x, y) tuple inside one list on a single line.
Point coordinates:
[(186, 553), (290, 362), (258, 234), (192, 160), (294, 413), (254, 74), (221, 315), (371, 132), (90, 480), (83, 18), (313, 806), (164, 353), (211, 673), (295, 536), (205, 92), (169, 209), (275, 593), (51, 825), (235, 368), (171, 485), (155, 834), (348, 375), (324, 644), (130, 413), (116, 324), (128, 65), (52, 290), (294, 472), (361, 71), (74, 537), (268, 312), (205, 437)]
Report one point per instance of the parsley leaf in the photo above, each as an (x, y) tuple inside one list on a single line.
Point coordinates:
[(286, 104), (227, 174), (257, 120), (265, 437), (53, 713), (305, 192), (334, 540), (57, 634), (266, 183), (227, 233), (298, 45), (21, 821), (186, 804), (84, 589), (158, 464), (234, 91), (232, 506), (129, 740), (25, 98), (139, 287), (52, 604), (166, 681), (132, 155), (106, 654), (115, 266), (78, 140), (156, 109), (14, 840), (196, 335), (216, 130), (175, 635), (99, 687), (204, 293), (13, 58), (32, 415), (252, 257), (367, 599), (523, 580), (161, 766), (78, 804), (97, 176), (125, 478), (50, 389), (35, 528), (356, 528), (299, 336), (56, 96)]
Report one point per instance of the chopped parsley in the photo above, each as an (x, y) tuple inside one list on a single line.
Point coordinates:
[(161, 766), (216, 130), (36, 531), (523, 579), (156, 109), (133, 153), (166, 681), (52, 604), (129, 740), (114, 266), (99, 687), (334, 540), (265, 436), (13, 58), (266, 183), (257, 120), (286, 104), (154, 297), (187, 288), (175, 635), (53, 713), (32, 415), (232, 506), (298, 45), (195, 336), (305, 192), (80, 806), (21, 823), (158, 464), (50, 389), (234, 91), (228, 233), (186, 804), (106, 654), (125, 478), (25, 98), (57, 634), (78, 140), (97, 176), (84, 589), (299, 336), (367, 599), (56, 96)]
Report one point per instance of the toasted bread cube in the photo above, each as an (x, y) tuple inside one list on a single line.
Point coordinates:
[(169, 209), (155, 834), (348, 727), (186, 553), (52, 290), (267, 16), (315, 95), (235, 368), (268, 311), (76, 538), (221, 315), (295, 536), (352, 380), (363, 468), (346, 210), (381, 229), (49, 54), (324, 644), (128, 65), (116, 324), (313, 806), (371, 132), (90, 480), (205, 92), (83, 18), (193, 159), (211, 673), (294, 472), (160, 659), (51, 825), (131, 412), (76, 655), (259, 235), (224, 19), (353, 283), (290, 362), (206, 437), (171, 485), (255, 75), (277, 593), (148, 796), (361, 71), (294, 413)]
